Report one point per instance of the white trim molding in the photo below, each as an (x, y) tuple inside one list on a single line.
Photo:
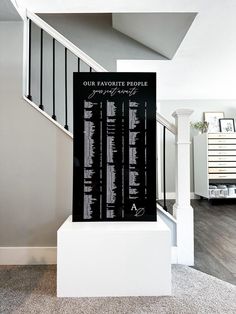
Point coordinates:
[(48, 117), (28, 255), (42, 255)]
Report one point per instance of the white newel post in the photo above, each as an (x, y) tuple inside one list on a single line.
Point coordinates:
[(183, 211)]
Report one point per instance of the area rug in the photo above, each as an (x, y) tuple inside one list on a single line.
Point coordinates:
[(32, 289)]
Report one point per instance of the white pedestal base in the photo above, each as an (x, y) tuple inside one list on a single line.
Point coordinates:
[(97, 259)]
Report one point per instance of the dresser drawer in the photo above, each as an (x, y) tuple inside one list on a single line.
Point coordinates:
[(222, 164), (222, 170), (221, 158), (222, 141), (222, 152), (222, 135), (222, 176), (228, 147)]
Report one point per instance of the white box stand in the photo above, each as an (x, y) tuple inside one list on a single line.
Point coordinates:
[(99, 259)]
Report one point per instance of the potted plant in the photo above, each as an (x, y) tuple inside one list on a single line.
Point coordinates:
[(201, 126)]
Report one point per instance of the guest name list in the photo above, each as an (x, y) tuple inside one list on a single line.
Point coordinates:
[(114, 147)]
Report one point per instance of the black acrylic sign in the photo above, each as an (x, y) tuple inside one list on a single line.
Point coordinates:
[(114, 175)]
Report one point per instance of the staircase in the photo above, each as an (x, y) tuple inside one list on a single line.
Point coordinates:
[(69, 48), (180, 220)]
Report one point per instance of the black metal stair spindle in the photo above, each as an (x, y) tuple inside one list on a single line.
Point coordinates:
[(90, 69), (29, 60), (78, 64), (164, 168), (54, 85), (41, 71), (66, 112)]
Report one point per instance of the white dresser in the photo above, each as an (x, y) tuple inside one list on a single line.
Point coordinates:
[(214, 161)]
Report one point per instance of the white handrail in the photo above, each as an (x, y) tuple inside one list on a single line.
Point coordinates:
[(45, 114), (163, 121), (65, 42)]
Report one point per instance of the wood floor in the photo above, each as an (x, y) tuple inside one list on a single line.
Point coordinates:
[(215, 238)]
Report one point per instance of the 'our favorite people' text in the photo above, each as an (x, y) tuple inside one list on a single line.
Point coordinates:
[(113, 88), (115, 83)]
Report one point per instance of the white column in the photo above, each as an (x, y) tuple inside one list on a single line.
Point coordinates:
[(182, 208)]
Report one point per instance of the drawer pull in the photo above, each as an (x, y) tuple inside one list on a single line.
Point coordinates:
[(225, 170), (222, 176), (222, 153), (222, 146), (226, 159), (221, 135), (224, 141)]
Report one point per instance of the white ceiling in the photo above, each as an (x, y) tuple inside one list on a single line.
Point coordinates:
[(162, 32), (205, 63), (8, 12)]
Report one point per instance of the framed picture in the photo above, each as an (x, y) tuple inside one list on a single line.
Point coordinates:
[(227, 125), (213, 119)]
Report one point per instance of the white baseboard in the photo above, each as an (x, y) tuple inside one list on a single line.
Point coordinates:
[(172, 196), (41, 255), (28, 255)]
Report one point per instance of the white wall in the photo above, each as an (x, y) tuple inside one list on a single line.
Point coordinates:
[(8, 11), (167, 107), (204, 66), (35, 159)]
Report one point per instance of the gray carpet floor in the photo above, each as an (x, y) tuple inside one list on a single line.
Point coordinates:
[(32, 289)]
